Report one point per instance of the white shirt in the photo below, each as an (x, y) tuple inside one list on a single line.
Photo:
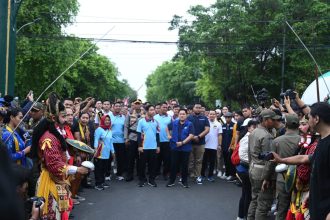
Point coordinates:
[(170, 113), (244, 148), (211, 139)]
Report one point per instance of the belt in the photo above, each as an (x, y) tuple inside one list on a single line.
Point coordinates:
[(257, 165)]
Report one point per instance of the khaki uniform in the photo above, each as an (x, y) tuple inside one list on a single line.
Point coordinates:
[(286, 146), (260, 140)]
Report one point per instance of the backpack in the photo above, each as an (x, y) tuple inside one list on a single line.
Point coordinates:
[(235, 160)]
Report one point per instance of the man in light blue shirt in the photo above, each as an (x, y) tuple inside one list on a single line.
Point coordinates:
[(148, 138), (163, 120), (117, 127)]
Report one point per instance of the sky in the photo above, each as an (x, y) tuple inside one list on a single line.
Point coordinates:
[(143, 20)]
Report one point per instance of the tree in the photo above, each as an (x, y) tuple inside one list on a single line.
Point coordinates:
[(238, 43), (44, 51), (172, 80)]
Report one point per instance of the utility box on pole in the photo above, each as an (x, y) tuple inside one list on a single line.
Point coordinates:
[(8, 12)]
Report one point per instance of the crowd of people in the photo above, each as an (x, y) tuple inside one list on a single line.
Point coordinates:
[(279, 155)]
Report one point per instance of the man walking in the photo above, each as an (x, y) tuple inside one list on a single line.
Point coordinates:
[(117, 128), (202, 128), (130, 135), (148, 139), (163, 120)]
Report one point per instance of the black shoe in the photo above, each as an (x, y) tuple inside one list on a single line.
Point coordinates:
[(152, 183), (87, 185), (129, 179), (170, 184), (185, 185), (141, 183)]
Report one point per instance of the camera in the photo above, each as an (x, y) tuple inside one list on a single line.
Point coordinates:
[(262, 95), (292, 96), (266, 156), (288, 93), (37, 200)]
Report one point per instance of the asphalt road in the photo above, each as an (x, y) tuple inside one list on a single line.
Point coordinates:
[(217, 200)]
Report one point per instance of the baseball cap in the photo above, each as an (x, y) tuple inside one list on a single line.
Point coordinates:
[(38, 106), (138, 101), (291, 119), (267, 113), (278, 114)]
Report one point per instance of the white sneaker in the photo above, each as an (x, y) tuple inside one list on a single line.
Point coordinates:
[(219, 174), (107, 178), (199, 180), (223, 177), (120, 178), (238, 218)]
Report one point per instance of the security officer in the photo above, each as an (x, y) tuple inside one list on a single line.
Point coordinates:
[(286, 146), (261, 172), (130, 135)]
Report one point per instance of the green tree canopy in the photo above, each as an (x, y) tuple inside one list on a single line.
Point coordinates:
[(44, 51), (238, 43)]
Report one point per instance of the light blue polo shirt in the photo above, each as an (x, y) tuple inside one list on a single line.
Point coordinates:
[(117, 128), (163, 122), (148, 132)]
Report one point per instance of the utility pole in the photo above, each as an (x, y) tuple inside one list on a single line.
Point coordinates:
[(283, 59), (8, 13)]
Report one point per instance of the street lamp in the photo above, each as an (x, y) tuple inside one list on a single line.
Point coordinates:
[(27, 24)]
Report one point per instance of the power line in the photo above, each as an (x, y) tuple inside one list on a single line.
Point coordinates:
[(183, 43), (151, 21)]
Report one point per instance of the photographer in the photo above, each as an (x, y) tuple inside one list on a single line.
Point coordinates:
[(33, 207)]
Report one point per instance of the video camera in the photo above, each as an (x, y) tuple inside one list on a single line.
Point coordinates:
[(262, 95), (288, 93), (38, 201)]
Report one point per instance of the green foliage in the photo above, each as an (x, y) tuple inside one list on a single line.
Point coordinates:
[(238, 43), (44, 51), (172, 79)]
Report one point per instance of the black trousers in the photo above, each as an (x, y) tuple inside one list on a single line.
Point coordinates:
[(179, 163), (164, 158), (147, 157), (101, 166), (121, 158), (230, 169), (108, 166), (132, 153), (209, 158), (245, 199)]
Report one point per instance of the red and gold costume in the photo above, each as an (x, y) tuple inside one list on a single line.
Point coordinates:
[(53, 182), (298, 210)]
